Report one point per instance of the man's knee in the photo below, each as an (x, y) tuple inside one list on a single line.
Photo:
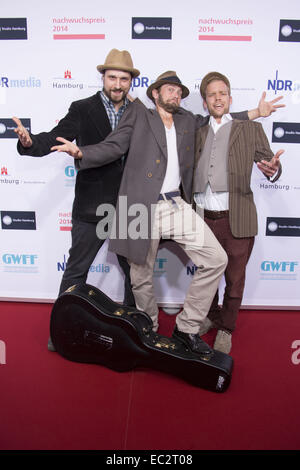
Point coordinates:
[(221, 258)]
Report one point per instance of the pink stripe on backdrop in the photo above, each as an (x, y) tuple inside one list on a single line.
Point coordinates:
[(225, 38), (65, 229), (78, 36)]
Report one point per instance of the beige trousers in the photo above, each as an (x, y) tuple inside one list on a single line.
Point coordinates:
[(182, 224)]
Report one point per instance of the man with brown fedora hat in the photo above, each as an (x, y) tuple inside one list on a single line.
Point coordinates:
[(89, 121), (157, 179)]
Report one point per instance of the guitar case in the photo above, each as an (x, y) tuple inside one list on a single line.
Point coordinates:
[(87, 326)]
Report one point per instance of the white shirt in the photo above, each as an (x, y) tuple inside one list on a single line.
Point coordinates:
[(172, 177), (214, 201)]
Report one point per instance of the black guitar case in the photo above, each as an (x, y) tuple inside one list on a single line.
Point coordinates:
[(87, 326)]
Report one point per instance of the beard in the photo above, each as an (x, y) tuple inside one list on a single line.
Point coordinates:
[(109, 94), (169, 107)]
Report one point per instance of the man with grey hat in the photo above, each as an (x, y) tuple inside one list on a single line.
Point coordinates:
[(158, 176), (88, 122)]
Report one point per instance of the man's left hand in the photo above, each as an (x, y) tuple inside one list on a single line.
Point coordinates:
[(266, 108), (67, 147), (270, 168)]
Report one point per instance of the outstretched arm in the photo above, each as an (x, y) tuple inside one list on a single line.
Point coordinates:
[(112, 148), (270, 168), (67, 147), (265, 108), (22, 133), (268, 163)]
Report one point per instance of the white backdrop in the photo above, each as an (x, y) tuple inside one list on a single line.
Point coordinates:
[(56, 64)]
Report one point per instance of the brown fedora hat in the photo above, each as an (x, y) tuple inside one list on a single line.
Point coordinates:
[(167, 77), (119, 60)]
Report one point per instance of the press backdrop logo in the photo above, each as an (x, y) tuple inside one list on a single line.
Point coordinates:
[(94, 268), (289, 31), (283, 227), (65, 221), (280, 83), (66, 81), (70, 175), (279, 270), (7, 127), (18, 220), (288, 132), (141, 82), (160, 267), (13, 28), (20, 82), (25, 263), (6, 178), (151, 28)]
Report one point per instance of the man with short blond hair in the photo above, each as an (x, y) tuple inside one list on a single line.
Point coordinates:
[(226, 149)]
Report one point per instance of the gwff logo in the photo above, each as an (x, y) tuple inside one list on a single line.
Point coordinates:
[(10, 258), (282, 266)]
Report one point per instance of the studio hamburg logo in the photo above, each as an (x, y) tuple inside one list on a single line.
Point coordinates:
[(13, 28), (288, 132), (283, 227), (18, 220), (151, 28), (289, 31), (7, 127)]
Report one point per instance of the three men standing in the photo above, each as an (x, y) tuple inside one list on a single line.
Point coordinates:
[(159, 173)]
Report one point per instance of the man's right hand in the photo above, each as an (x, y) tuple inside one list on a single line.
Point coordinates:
[(23, 133)]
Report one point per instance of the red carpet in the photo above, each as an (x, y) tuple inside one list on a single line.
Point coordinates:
[(49, 403)]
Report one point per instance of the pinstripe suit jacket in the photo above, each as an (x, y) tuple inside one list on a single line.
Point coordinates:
[(247, 144)]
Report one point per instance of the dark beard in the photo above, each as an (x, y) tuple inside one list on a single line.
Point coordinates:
[(108, 94), (169, 107)]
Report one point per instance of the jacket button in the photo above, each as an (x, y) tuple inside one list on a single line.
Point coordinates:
[(149, 175), (157, 161), (188, 148)]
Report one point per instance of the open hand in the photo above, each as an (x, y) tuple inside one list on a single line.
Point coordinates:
[(68, 147), (270, 168), (266, 108), (23, 133)]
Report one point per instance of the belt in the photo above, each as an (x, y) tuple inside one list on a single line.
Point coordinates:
[(169, 196), (215, 214)]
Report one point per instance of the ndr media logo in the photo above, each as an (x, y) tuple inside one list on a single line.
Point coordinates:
[(98, 268), (282, 84), (279, 270), (28, 82), (141, 82)]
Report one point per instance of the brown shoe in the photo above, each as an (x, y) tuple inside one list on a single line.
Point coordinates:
[(223, 342)]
